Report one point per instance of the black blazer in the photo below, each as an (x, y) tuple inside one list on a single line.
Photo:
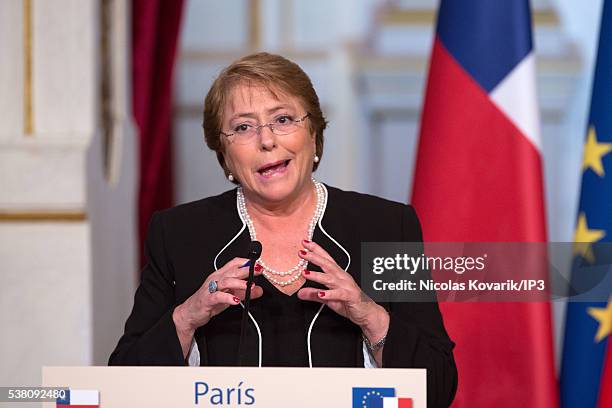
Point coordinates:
[(185, 243)]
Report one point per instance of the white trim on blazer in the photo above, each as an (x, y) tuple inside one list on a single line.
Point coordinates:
[(194, 352)]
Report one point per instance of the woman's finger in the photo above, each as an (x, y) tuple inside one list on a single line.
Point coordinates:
[(340, 295), (241, 271), (320, 277), (232, 265), (328, 266), (311, 294), (227, 284), (256, 292), (317, 249), (223, 298), (230, 268)]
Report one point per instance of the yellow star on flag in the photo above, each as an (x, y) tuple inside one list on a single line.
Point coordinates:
[(593, 152), (604, 317), (583, 237)]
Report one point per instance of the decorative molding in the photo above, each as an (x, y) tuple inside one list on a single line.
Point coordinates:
[(428, 17), (408, 17), (391, 63), (254, 24), (42, 216), (28, 98), (106, 87), (205, 56)]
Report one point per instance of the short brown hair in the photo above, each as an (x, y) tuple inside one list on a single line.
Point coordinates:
[(273, 72)]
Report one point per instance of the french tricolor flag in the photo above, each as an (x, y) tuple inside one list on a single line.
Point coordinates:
[(478, 178), (396, 402), (79, 399)]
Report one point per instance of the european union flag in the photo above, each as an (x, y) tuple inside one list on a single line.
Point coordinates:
[(364, 397), (586, 329)]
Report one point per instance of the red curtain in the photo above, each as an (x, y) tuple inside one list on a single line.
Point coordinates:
[(155, 29)]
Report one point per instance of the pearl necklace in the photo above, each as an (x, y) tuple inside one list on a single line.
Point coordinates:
[(294, 272)]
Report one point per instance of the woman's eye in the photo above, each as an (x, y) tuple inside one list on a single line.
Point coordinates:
[(285, 119), (242, 128)]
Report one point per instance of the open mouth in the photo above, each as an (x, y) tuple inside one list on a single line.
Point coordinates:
[(273, 168)]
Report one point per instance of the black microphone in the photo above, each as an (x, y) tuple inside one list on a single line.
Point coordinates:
[(255, 249)]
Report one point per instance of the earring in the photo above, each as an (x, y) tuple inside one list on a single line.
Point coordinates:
[(230, 177), (316, 159)]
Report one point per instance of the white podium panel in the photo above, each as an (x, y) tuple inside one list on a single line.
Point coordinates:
[(179, 387)]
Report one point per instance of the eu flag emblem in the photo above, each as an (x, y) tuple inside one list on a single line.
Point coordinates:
[(364, 397)]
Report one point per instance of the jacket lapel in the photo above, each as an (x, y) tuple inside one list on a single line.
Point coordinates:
[(340, 232)]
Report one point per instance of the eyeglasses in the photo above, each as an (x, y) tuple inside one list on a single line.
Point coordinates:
[(282, 125)]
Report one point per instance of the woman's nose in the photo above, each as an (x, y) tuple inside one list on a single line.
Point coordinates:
[(267, 139)]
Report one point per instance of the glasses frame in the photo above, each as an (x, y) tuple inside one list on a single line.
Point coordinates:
[(269, 126)]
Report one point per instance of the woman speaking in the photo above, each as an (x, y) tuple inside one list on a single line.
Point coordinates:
[(263, 119)]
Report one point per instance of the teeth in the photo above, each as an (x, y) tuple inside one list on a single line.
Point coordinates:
[(273, 169)]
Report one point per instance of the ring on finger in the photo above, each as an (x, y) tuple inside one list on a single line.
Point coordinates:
[(212, 286)]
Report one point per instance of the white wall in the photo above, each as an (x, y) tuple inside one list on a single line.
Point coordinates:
[(67, 240)]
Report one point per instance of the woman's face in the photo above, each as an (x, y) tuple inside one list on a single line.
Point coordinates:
[(271, 168)]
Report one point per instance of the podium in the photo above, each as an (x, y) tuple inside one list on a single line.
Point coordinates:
[(179, 387)]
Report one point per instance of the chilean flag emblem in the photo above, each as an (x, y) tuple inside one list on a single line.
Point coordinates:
[(79, 399)]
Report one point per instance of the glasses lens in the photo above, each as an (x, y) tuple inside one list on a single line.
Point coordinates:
[(243, 137), (284, 128)]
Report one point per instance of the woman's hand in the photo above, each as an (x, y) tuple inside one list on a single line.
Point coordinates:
[(344, 296), (202, 306)]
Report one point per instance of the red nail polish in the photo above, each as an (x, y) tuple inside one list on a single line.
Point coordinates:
[(321, 294), (303, 253), (257, 267), (306, 272), (306, 241), (236, 299)]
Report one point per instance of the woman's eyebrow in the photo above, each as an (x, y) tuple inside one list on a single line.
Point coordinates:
[(279, 107), (244, 115), (253, 115)]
